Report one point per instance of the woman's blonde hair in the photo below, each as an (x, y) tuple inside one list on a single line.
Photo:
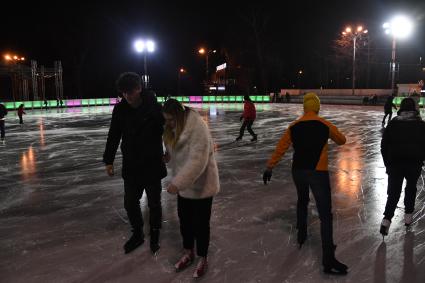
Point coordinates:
[(179, 113)]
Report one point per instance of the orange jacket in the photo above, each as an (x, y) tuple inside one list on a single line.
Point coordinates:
[(309, 137)]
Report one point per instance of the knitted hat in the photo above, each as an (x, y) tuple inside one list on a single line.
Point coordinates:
[(311, 102), (407, 104)]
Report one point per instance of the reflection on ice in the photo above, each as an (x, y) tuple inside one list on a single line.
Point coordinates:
[(28, 164)]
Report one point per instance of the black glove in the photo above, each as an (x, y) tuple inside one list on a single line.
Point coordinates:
[(240, 119), (267, 175)]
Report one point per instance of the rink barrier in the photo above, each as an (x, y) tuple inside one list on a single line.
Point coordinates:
[(112, 101)]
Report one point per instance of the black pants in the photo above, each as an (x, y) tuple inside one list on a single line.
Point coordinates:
[(318, 181), (2, 129), (246, 124), (194, 215), (389, 117), (395, 182), (21, 121), (133, 194)]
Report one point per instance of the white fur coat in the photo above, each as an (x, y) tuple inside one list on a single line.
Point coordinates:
[(193, 166)]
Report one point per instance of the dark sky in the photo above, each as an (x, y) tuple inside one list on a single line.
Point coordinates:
[(95, 38)]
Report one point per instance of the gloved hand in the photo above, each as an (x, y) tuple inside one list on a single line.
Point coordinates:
[(267, 175), (240, 118)]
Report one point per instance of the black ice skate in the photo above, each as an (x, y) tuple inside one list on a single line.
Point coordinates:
[(154, 240), (135, 241), (330, 264), (301, 236), (385, 227), (254, 138)]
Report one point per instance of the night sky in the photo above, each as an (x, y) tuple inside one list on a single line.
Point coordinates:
[(94, 40)]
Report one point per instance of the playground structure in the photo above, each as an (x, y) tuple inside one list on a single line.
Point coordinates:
[(29, 82)]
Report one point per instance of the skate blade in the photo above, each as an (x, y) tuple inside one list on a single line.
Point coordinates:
[(335, 272)]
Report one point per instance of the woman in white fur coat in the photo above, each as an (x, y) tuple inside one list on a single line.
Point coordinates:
[(194, 178)]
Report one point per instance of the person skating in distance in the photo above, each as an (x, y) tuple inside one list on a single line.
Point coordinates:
[(248, 117), (3, 113), (388, 109), (309, 138)]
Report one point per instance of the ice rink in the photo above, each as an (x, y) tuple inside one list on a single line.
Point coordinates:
[(62, 218)]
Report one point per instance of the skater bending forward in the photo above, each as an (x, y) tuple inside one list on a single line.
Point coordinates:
[(403, 151), (194, 178), (309, 137)]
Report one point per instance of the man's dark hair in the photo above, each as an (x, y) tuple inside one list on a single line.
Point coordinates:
[(128, 81)]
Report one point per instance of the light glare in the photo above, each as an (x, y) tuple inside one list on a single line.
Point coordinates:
[(139, 45), (150, 46)]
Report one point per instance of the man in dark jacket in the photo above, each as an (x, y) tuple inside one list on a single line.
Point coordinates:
[(3, 112), (137, 122), (388, 109), (403, 151)]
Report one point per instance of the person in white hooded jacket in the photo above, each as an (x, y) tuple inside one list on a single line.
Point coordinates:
[(194, 178)]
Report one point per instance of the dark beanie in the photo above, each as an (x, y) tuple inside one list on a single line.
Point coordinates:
[(407, 104)]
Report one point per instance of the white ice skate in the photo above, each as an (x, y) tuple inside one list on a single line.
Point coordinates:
[(408, 219)]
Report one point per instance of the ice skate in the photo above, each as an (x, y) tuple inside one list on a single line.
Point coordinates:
[(154, 240), (330, 264), (385, 226), (184, 261), (408, 219), (134, 242), (201, 268), (301, 236)]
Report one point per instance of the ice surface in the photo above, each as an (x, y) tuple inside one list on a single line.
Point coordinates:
[(62, 219)]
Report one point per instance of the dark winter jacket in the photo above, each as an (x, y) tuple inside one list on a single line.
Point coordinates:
[(389, 105), (403, 141), (3, 111), (140, 132), (249, 112)]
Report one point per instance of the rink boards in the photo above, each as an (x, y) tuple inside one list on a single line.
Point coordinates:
[(112, 101)]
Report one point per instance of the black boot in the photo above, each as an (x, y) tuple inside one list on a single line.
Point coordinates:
[(301, 236), (154, 240), (135, 241), (330, 264)]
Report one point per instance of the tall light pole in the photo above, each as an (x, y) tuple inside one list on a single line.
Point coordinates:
[(300, 72), (144, 47), (354, 35), (205, 51), (399, 27), (181, 72)]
